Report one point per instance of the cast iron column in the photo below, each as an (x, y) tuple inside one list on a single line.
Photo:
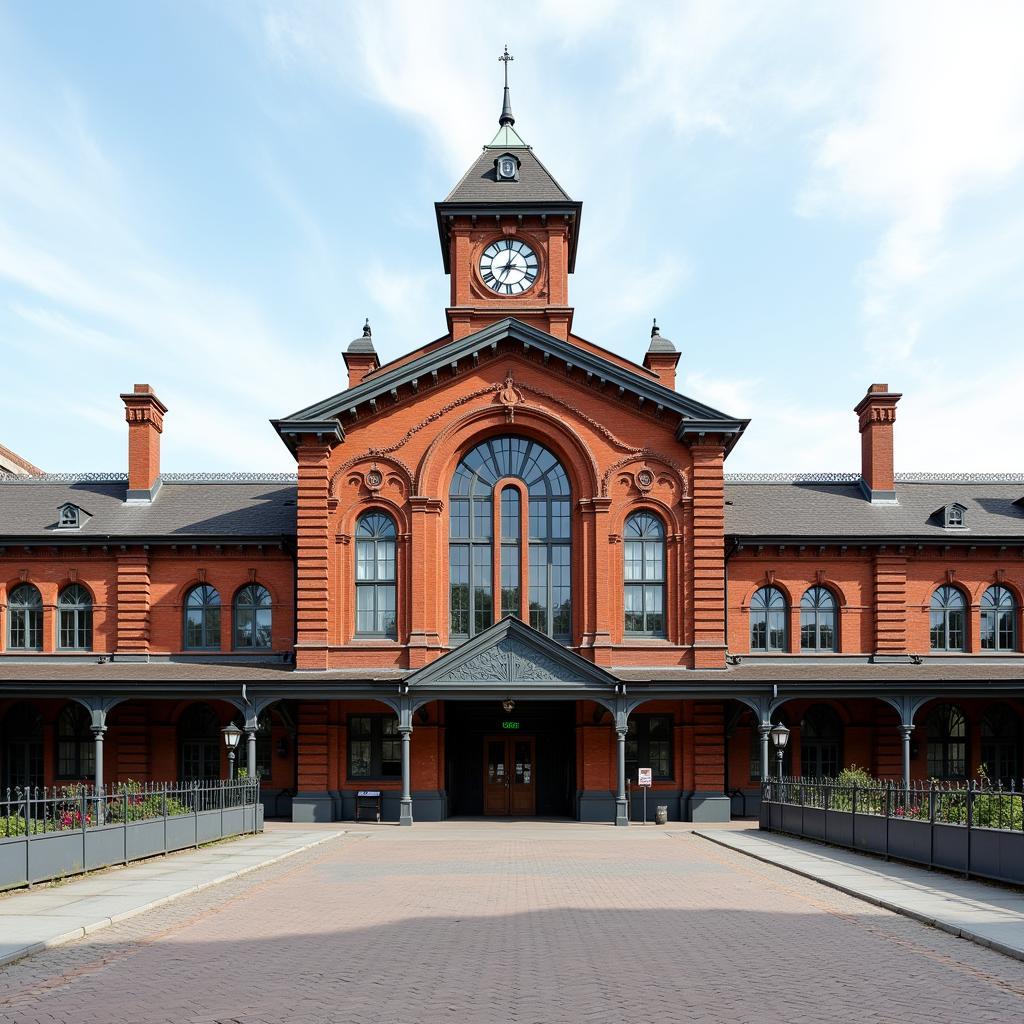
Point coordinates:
[(405, 728), (905, 731), (621, 811), (764, 729), (250, 752), (97, 732)]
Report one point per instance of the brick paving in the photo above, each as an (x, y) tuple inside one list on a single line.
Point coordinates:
[(505, 923)]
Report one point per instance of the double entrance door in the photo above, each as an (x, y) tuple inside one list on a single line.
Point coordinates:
[(510, 784)]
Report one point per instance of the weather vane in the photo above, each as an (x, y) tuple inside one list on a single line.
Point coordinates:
[(505, 58)]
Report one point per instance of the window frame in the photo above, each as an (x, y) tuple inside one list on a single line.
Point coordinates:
[(256, 590), (207, 743), (1001, 734), (821, 739), (30, 612), (78, 611), (645, 583), (81, 737), (819, 611), (642, 741), (376, 740), (946, 610), (207, 610), (765, 611), (945, 741), (382, 534), (994, 610)]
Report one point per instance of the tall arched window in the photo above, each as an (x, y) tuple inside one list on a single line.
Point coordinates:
[(24, 619), (947, 743), (821, 742), (200, 739), (74, 619), (768, 615), (23, 747), (644, 574), (375, 575), (546, 563), (253, 618), (947, 619), (1000, 743), (202, 618), (76, 746), (818, 620), (998, 620)]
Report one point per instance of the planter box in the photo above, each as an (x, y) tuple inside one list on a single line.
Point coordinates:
[(13, 864), (998, 854), (910, 840), (181, 832), (104, 846), (950, 850), (839, 828), (145, 839), (869, 833), (814, 824)]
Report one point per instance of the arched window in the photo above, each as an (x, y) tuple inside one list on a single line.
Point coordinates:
[(200, 739), (1000, 744), (821, 742), (202, 619), (23, 747), (818, 620), (768, 614), (252, 618), (947, 743), (947, 619), (24, 619), (644, 574), (74, 619), (375, 575), (998, 620), (76, 746), (511, 552), (547, 562)]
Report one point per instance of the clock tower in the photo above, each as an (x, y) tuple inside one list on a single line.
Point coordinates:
[(508, 235)]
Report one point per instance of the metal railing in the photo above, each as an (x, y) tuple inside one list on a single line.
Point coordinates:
[(971, 804), (41, 810)]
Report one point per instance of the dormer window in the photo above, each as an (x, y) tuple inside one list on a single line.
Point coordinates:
[(955, 516), (506, 167), (69, 517)]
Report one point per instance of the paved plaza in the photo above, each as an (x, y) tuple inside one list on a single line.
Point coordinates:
[(534, 922)]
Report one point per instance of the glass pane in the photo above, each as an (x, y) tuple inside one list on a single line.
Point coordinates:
[(459, 519), (364, 560), (364, 610), (385, 559), (264, 624), (244, 619), (634, 608), (634, 560), (482, 518), (386, 610), (459, 589), (510, 579), (482, 608), (359, 759)]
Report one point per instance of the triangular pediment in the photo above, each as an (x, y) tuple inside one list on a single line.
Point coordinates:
[(510, 657), (388, 386)]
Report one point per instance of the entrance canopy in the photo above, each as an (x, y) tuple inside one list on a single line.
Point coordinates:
[(512, 657)]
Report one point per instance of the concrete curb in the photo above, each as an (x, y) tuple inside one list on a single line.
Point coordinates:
[(106, 922), (877, 901)]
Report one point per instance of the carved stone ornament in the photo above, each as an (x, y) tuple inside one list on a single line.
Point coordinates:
[(951, 576), (645, 479), (509, 661), (374, 479), (510, 396), (769, 577)]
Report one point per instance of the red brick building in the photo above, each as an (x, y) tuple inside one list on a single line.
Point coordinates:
[(510, 572)]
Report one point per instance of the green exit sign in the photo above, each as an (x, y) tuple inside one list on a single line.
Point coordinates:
[(510, 725)]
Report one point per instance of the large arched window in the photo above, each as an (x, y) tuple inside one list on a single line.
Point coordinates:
[(253, 618), (947, 619), (74, 619), (998, 620), (947, 743), (375, 575), (821, 742), (644, 574), (768, 614), (1000, 744), (818, 620), (202, 619), (23, 747), (24, 619), (546, 562), (76, 745), (199, 737)]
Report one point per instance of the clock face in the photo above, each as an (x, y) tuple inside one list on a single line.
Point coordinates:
[(508, 266)]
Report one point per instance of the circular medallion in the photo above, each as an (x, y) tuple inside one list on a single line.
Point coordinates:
[(645, 479), (374, 478)]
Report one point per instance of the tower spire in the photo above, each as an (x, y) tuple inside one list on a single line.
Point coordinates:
[(506, 106)]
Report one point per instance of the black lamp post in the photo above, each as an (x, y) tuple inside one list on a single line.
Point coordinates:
[(780, 737), (232, 734)]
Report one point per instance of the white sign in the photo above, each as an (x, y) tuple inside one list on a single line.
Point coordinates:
[(643, 777)]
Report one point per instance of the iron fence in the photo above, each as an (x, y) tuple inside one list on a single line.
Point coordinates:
[(41, 810)]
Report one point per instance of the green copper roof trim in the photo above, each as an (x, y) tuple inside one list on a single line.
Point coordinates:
[(507, 138)]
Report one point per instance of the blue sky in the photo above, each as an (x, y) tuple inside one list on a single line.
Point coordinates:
[(209, 197)]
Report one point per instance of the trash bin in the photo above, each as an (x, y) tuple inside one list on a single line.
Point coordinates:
[(661, 814)]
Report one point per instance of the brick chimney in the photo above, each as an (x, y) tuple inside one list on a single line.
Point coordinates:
[(662, 358), (361, 357), (876, 412), (144, 413)]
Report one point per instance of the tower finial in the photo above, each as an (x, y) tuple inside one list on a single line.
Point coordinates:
[(366, 329), (506, 106), (654, 328)]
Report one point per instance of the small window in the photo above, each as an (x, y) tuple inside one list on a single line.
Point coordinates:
[(947, 619), (24, 619), (998, 620), (74, 619), (374, 747), (768, 625), (818, 620), (649, 745), (253, 618), (70, 517), (202, 619), (955, 516)]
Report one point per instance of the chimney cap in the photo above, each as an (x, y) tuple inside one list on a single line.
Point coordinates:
[(658, 343), (364, 343)]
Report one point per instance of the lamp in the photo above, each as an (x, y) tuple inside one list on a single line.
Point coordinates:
[(232, 735), (780, 737), (507, 705)]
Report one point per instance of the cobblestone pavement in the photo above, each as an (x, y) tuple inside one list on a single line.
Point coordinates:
[(493, 923)]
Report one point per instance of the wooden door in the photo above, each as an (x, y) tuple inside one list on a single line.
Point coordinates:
[(510, 782)]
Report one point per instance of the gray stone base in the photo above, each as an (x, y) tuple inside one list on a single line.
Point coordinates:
[(427, 805), (599, 805), (313, 807), (709, 807)]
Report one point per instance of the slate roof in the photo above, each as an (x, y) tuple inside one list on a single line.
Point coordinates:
[(480, 184), (834, 506), (186, 508)]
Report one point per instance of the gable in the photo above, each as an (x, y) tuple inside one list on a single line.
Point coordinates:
[(390, 386), (511, 655)]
